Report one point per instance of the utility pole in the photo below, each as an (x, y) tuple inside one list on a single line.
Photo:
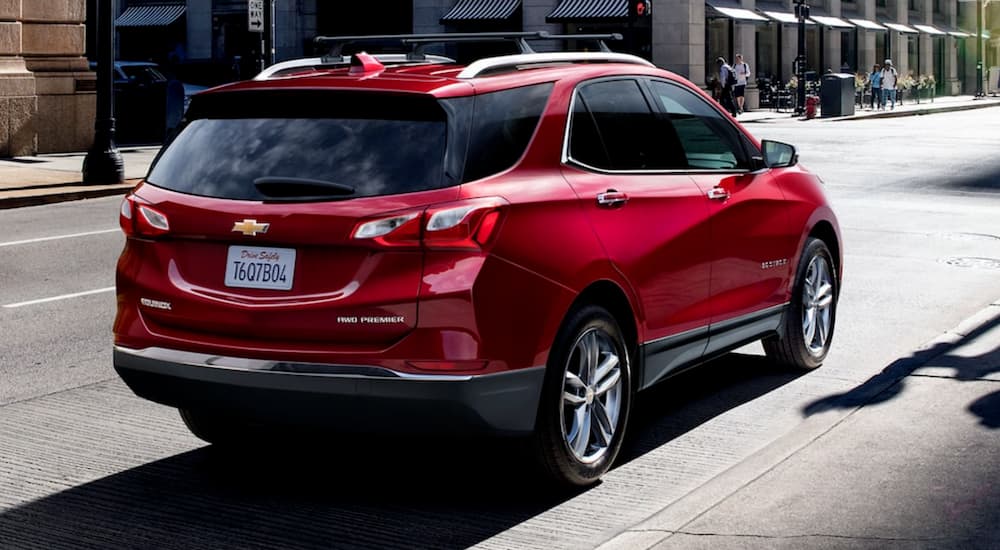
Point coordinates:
[(103, 163), (273, 33), (801, 11)]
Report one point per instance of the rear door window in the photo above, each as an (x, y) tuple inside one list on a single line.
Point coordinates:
[(341, 146), (708, 140), (631, 137)]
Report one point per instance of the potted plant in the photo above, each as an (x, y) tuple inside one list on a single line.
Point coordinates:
[(906, 84)]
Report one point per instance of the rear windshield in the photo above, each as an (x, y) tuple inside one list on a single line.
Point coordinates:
[(322, 145), (228, 149)]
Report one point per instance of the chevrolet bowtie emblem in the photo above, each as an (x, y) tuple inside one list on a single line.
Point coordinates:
[(250, 227)]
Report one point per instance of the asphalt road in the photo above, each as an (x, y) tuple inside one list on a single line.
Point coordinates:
[(85, 464)]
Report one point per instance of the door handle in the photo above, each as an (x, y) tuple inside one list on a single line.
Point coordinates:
[(612, 198), (718, 194)]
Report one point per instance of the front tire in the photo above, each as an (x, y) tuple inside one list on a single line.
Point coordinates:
[(586, 398), (805, 336)]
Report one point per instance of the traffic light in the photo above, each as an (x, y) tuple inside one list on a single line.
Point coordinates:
[(637, 9)]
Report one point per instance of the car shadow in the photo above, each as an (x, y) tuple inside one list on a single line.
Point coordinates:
[(890, 383), (354, 492)]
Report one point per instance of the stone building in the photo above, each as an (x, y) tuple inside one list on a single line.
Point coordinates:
[(47, 100)]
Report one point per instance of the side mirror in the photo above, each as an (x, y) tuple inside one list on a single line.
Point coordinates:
[(778, 155)]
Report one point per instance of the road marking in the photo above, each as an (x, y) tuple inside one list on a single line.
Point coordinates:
[(62, 297), (57, 237)]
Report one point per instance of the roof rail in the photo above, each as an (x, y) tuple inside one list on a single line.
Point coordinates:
[(506, 62), (328, 62), (520, 39)]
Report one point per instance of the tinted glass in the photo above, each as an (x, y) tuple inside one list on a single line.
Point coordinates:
[(585, 144), (632, 136), (707, 139), (502, 126), (395, 148)]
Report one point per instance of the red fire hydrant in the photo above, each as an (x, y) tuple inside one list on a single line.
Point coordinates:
[(811, 103)]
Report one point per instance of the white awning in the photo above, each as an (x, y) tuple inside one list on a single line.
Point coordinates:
[(900, 28), (739, 14), (784, 17), (929, 29), (866, 24), (832, 22), (960, 34)]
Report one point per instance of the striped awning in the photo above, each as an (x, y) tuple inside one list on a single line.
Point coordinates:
[(588, 10), (481, 10), (150, 15)]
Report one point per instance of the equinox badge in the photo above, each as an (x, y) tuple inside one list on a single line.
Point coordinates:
[(250, 227)]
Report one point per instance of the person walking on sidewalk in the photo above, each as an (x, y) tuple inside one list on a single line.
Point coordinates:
[(742, 77), (889, 80), (875, 78), (727, 80)]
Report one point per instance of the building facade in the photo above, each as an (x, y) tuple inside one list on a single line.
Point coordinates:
[(922, 37), (47, 92)]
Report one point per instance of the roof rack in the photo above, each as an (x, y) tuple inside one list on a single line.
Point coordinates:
[(489, 65), (330, 62), (599, 38), (419, 41)]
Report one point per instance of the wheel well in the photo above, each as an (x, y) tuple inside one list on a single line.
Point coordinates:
[(824, 232), (612, 298)]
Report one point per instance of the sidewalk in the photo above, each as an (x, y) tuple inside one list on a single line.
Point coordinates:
[(940, 105), (27, 181), (908, 459)]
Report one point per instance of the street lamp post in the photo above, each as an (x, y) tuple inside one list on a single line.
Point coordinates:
[(103, 164), (802, 11), (979, 49)]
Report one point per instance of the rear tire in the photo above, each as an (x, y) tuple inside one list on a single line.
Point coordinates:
[(807, 331), (586, 398)]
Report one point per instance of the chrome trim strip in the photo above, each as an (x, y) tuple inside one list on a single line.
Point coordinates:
[(324, 370)]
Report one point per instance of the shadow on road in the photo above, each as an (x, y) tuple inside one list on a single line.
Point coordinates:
[(412, 493), (889, 383)]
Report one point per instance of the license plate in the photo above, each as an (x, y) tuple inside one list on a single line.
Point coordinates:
[(260, 267)]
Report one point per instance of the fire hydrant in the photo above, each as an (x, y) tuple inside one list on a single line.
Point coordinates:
[(811, 103)]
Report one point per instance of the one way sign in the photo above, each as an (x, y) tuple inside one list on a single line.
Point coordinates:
[(255, 11)]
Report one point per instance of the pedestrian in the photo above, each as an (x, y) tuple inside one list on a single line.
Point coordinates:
[(742, 77), (875, 78), (889, 79), (727, 80)]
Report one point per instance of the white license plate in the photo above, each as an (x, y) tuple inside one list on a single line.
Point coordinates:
[(260, 267)]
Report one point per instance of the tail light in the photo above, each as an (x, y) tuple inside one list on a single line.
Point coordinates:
[(141, 220), (468, 224)]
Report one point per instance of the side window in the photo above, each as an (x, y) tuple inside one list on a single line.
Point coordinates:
[(614, 128), (503, 123), (708, 140)]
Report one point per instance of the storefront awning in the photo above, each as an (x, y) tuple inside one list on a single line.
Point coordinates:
[(867, 24), (481, 10), (900, 28), (929, 30), (832, 22), (588, 10), (731, 9), (154, 15), (784, 17)]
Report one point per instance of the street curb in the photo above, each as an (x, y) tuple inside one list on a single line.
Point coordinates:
[(919, 112), (676, 515), (36, 200)]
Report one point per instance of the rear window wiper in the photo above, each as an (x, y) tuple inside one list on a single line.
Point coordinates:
[(287, 188)]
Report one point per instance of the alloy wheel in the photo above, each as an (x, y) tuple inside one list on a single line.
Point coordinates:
[(817, 305), (592, 395)]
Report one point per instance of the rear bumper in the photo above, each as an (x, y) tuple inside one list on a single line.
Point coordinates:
[(349, 397)]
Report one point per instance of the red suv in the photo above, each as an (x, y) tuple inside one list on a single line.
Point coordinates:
[(516, 247)]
